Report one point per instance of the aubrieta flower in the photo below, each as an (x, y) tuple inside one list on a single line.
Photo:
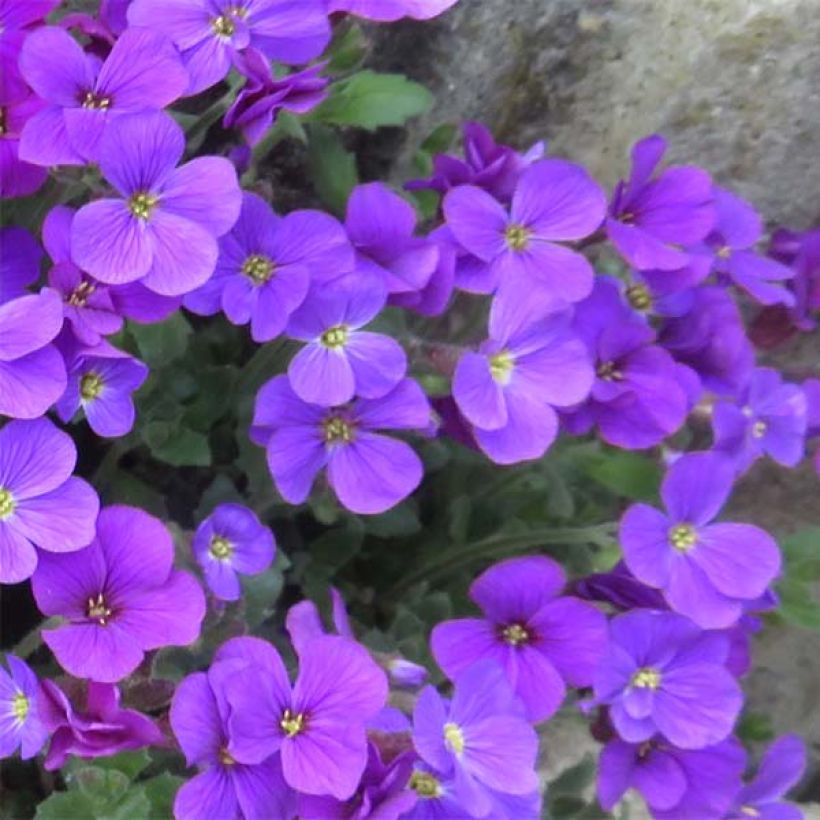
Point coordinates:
[(266, 263), (706, 571), (543, 641), (17, 177), (21, 723), (768, 417), (381, 225), (554, 201), (20, 257), (780, 770), (142, 73), (530, 364), (199, 720), (100, 381), (434, 297), (121, 597), (41, 503), (388, 11), (102, 729), (480, 740), (17, 18), (661, 673), (369, 472), (32, 371), (229, 542), (650, 218), (317, 725), (210, 33), (163, 227), (340, 360)]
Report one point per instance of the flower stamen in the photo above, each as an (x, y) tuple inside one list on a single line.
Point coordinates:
[(683, 537), (259, 269), (335, 337), (292, 723), (20, 706), (517, 237), (91, 385), (97, 609), (646, 678), (454, 738), (337, 430), (425, 785), (501, 367), (220, 548), (7, 503), (515, 634), (142, 205)]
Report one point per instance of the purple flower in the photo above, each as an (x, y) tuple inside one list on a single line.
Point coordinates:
[(387, 11), (232, 541), (530, 364), (340, 360), (101, 380), (650, 217), (620, 588), (210, 33), (142, 73), (780, 770), (266, 264), (102, 730), (767, 417), (121, 597), (640, 395), (17, 17), (21, 722), (163, 228), (20, 258), (41, 503), (17, 177), (32, 372), (369, 472), (663, 674), (304, 623), (542, 640), (480, 740), (667, 777), (199, 719), (434, 297), (706, 571), (255, 108), (317, 725), (554, 201), (381, 225)]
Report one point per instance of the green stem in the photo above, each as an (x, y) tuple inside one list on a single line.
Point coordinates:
[(31, 642)]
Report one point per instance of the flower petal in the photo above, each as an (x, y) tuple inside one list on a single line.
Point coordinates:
[(55, 66), (644, 537), (100, 653), (18, 558), (476, 220)]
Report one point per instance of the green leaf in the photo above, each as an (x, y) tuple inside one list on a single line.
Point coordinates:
[(261, 592), (177, 447), (629, 475), (129, 763), (802, 553), (65, 806), (160, 791), (332, 168), (162, 342), (799, 603), (575, 779), (370, 100), (347, 49), (755, 727), (398, 522)]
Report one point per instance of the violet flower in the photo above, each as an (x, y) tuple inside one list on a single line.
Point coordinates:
[(530, 364), (663, 674), (211, 33), (543, 641), (32, 371), (388, 11), (706, 571), (620, 588), (163, 227), (768, 417), (369, 472), (121, 597), (554, 201), (21, 722), (20, 257), (317, 725), (41, 503), (17, 177), (229, 542), (650, 218), (142, 73), (434, 298), (340, 360), (101, 730), (17, 18), (480, 739)]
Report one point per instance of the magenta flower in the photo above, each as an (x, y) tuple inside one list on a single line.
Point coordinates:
[(554, 201), (387, 11), (41, 503), (705, 571), (17, 177), (543, 641), (21, 721), (163, 227), (650, 218), (369, 472), (101, 730), (317, 725), (211, 33), (121, 597), (20, 257), (663, 674), (142, 73), (32, 372), (229, 542), (340, 360)]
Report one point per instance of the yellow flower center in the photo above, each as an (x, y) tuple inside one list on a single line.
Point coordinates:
[(454, 737), (517, 237), (515, 634), (759, 429), (95, 101), (335, 337), (226, 758), (79, 296), (683, 537), (725, 252), (337, 430), (142, 205), (220, 548), (608, 371), (646, 678), (258, 268), (501, 366), (292, 724), (97, 609), (639, 297), (7, 503), (91, 385), (20, 706), (425, 785), (749, 811), (223, 26)]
